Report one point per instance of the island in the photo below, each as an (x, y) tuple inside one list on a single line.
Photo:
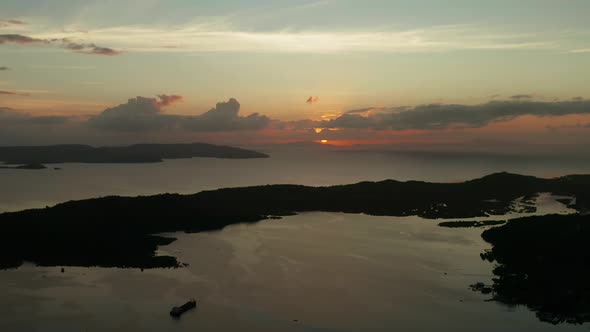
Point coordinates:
[(138, 153), (27, 166), (542, 262), (122, 231)]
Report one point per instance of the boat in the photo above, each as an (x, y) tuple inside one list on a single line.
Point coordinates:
[(178, 311)]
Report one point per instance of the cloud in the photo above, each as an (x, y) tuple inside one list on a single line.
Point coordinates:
[(312, 99), (5, 23), (579, 50), (4, 68), (91, 49), (222, 36), (143, 114), (166, 100), (12, 21), (225, 117), (12, 93), (521, 97), (138, 114), (443, 116), (84, 48), (20, 39), (375, 109)]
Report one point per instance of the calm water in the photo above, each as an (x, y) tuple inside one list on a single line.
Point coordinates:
[(20, 189), (309, 272)]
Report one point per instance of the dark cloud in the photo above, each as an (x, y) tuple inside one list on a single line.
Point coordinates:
[(145, 114), (225, 117), (5, 23), (20, 39), (91, 49), (521, 97), (4, 68), (12, 21), (166, 100), (84, 48), (12, 93), (138, 114), (312, 99), (443, 116)]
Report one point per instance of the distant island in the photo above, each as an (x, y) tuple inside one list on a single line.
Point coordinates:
[(138, 153), (27, 166)]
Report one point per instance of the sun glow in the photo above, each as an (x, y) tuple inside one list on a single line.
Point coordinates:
[(324, 141)]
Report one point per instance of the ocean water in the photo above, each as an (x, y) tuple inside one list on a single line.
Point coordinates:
[(308, 272)]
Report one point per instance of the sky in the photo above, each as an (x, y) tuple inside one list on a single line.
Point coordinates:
[(421, 73)]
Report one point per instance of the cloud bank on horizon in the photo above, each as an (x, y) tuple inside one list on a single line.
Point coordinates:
[(142, 117)]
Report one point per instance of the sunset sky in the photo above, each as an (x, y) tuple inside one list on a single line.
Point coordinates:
[(416, 73)]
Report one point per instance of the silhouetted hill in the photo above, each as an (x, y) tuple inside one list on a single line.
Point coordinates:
[(139, 153), (543, 262), (117, 231)]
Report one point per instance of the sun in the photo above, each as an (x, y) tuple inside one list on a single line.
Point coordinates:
[(324, 141)]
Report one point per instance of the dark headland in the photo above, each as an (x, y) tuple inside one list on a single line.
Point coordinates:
[(138, 153), (542, 262)]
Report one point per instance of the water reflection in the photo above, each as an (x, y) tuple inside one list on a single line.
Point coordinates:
[(309, 272)]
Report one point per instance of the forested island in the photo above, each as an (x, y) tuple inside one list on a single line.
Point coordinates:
[(542, 262), (138, 153), (119, 231)]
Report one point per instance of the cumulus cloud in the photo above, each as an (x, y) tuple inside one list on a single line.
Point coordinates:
[(443, 116), (312, 99), (84, 48), (225, 116), (145, 114), (138, 114), (166, 100)]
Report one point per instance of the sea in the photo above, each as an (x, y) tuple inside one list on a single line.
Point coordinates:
[(307, 272)]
